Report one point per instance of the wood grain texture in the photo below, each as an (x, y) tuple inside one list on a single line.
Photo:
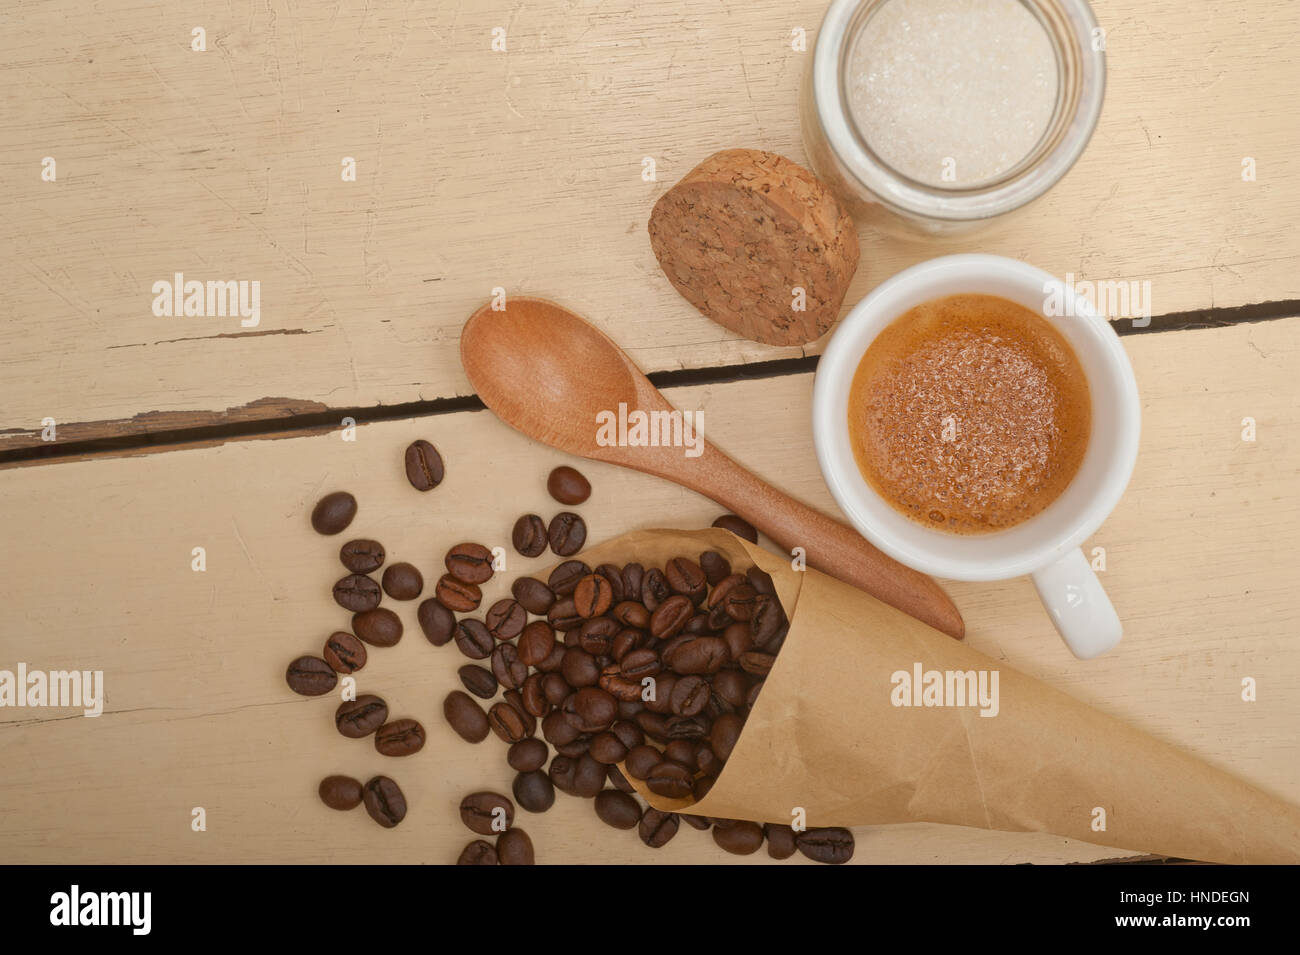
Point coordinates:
[(1200, 565), (520, 170)]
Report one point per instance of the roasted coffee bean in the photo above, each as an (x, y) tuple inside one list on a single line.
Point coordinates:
[(567, 485), (639, 664), (687, 727), (731, 686), (340, 792), (579, 668), (660, 698), (742, 839), (833, 845), (618, 780), (591, 710), (631, 614), (564, 578), (724, 587), (715, 567), (566, 533), (607, 748), (577, 747), (515, 848), (437, 622), (358, 718), (697, 822), (685, 577), (344, 652), (478, 680), (400, 738), (588, 777), (697, 655), (641, 759), (627, 641), (529, 535), (533, 595), (384, 801), (310, 676), (717, 619), (469, 563), (690, 696), (621, 688), (617, 809), (706, 760), (510, 671), (740, 602), (516, 699), (562, 772), (629, 733), (527, 755), (681, 751), (725, 732), (402, 581), (739, 640), (761, 581), (333, 512), (478, 852), (767, 618), (553, 660), (536, 642), (593, 595), (670, 779), (752, 697), (555, 688), (656, 828), (759, 664), (456, 594), (780, 840), (654, 589), (596, 636), (738, 526), (379, 627), (465, 716), (487, 813), (473, 639), (505, 619), (671, 616), (362, 556), (613, 574), (563, 615), (534, 696), (507, 722), (558, 730), (534, 791), (423, 465), (633, 575), (357, 592)]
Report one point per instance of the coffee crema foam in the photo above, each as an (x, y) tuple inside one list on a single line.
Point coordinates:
[(969, 414)]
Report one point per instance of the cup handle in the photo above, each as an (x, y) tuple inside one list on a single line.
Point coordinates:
[(1078, 605)]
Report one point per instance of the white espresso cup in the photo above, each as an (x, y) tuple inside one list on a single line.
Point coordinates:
[(1047, 545)]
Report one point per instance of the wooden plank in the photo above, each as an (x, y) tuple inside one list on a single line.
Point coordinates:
[(520, 170), (1200, 564)]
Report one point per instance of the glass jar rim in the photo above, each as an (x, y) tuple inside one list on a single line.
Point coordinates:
[(1070, 21)]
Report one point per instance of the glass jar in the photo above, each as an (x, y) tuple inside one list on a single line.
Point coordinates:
[(887, 198)]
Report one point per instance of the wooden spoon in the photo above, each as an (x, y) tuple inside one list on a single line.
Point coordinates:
[(548, 373)]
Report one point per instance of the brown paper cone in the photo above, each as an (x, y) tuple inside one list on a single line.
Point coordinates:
[(825, 736)]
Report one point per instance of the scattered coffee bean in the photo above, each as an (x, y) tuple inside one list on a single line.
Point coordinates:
[(437, 622), (402, 581), (510, 671), (358, 718), (487, 813), (469, 563), (566, 534), (362, 556), (780, 840), (564, 578), (716, 567), (656, 828), (832, 846), (478, 680), (457, 595), (340, 792), (515, 848), (618, 809), (527, 755), (399, 738), (568, 486), (423, 466), (333, 513), (738, 526), (465, 716), (357, 593), (670, 779), (534, 791), (529, 535), (509, 723), (505, 619), (384, 801), (310, 676), (473, 639), (742, 838), (344, 652), (478, 852), (379, 627), (536, 642), (593, 595), (533, 595)]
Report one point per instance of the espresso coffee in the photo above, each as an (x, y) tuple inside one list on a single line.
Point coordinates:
[(969, 414)]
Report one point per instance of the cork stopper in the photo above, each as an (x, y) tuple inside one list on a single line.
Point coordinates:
[(743, 232)]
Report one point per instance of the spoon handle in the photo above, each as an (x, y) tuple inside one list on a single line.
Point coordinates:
[(830, 546)]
